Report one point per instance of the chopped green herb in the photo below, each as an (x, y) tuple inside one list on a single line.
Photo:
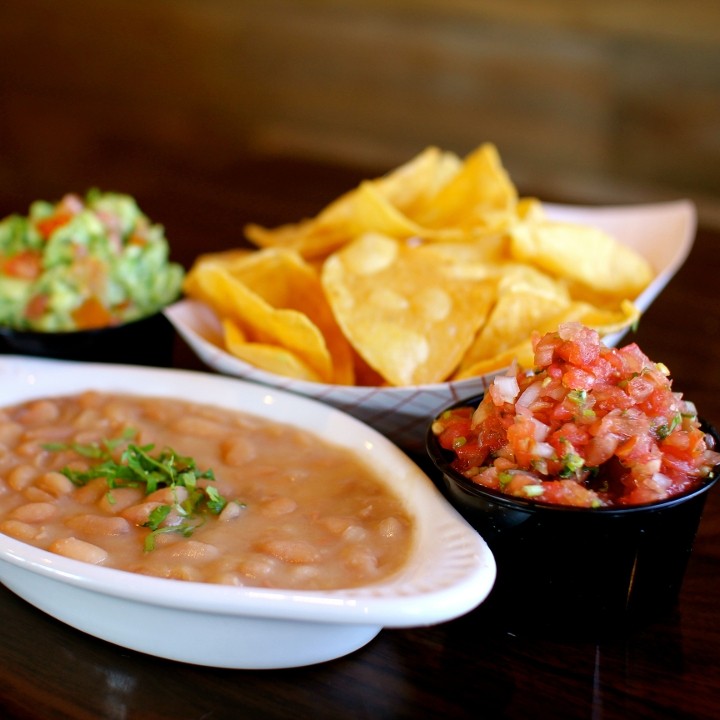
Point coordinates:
[(665, 429), (138, 468), (572, 463), (95, 450), (504, 478)]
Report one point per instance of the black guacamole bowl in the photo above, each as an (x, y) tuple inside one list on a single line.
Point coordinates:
[(147, 341), (578, 573)]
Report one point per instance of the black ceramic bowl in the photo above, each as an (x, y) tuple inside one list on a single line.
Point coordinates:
[(147, 341), (577, 572)]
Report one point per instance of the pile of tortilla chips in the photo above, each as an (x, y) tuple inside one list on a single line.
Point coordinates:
[(436, 271)]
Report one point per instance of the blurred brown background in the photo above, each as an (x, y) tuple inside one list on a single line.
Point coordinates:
[(611, 101)]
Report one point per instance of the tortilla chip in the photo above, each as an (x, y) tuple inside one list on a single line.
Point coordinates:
[(582, 254), (258, 320), (270, 358), (605, 322), (409, 319)]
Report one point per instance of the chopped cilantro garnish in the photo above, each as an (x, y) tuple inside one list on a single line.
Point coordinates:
[(665, 429), (504, 478), (572, 463), (138, 468)]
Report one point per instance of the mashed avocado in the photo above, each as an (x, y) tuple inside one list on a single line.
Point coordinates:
[(83, 263)]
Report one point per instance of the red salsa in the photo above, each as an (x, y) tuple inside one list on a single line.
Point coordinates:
[(589, 426)]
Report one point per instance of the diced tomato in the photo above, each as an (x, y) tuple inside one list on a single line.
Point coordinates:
[(36, 307), (492, 433), (578, 379), (47, 226), (92, 314), (572, 433), (567, 492), (26, 265), (138, 240), (608, 397), (470, 454), (580, 347)]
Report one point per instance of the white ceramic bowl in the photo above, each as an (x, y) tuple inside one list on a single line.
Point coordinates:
[(450, 570), (662, 232)]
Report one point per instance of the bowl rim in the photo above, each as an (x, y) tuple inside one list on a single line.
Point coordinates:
[(9, 331), (442, 460)]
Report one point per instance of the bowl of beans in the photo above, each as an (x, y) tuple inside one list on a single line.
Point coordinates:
[(277, 531), (587, 476)]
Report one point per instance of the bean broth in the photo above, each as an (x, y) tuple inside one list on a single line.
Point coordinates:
[(301, 513)]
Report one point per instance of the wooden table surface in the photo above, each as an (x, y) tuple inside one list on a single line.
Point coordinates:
[(465, 668)]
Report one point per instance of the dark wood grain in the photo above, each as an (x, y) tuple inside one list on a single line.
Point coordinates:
[(462, 669)]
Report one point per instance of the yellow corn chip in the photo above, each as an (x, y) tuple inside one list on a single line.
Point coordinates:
[(408, 319), (605, 322), (582, 254), (270, 358), (212, 283)]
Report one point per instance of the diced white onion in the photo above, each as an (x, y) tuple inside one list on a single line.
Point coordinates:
[(530, 394), (505, 388), (541, 430), (481, 412), (543, 450), (663, 482)]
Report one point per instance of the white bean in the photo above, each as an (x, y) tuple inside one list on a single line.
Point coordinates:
[(55, 483), (21, 530), (34, 512), (98, 525), (76, 549)]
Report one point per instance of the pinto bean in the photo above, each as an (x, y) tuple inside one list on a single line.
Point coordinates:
[(91, 492), (115, 500), (168, 495), (76, 549), (290, 551), (10, 431), (34, 512), (277, 506), (230, 512), (360, 559), (55, 483), (354, 533), (35, 494), (21, 476), (140, 514), (199, 427), (192, 550), (40, 412), (21, 530), (237, 451), (390, 527), (98, 525)]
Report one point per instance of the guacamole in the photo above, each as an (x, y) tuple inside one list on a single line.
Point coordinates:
[(83, 263)]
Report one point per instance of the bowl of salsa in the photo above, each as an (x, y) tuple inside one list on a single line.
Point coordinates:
[(587, 475), (86, 278)]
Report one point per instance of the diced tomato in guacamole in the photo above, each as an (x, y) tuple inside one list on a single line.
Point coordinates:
[(589, 426)]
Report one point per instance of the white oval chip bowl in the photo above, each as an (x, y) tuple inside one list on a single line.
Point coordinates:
[(662, 232)]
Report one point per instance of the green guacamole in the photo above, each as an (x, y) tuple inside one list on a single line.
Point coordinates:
[(83, 263)]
